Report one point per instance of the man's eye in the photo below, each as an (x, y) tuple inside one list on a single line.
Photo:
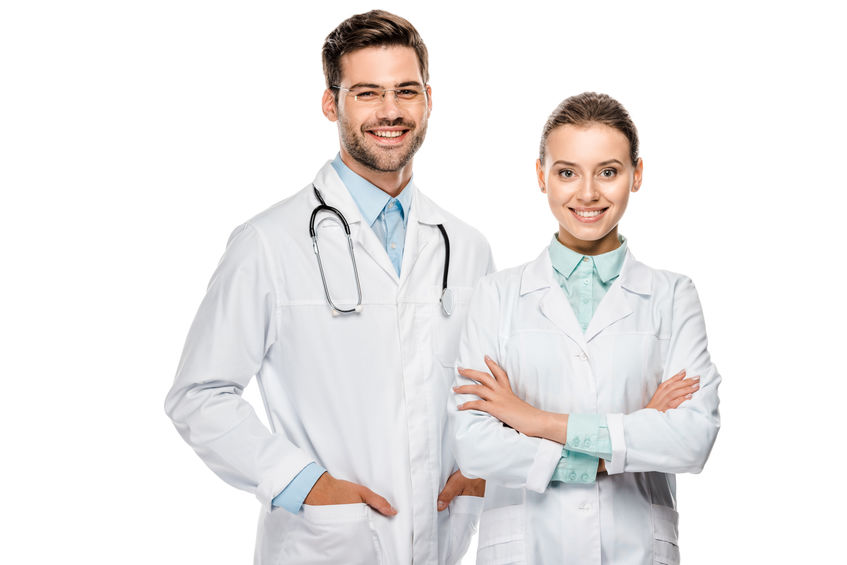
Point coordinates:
[(408, 93), (366, 95)]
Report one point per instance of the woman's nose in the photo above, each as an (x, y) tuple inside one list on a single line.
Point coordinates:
[(588, 191)]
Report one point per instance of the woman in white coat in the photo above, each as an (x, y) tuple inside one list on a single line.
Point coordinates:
[(558, 359)]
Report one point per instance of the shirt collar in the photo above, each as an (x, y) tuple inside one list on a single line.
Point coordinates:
[(369, 198), (608, 265)]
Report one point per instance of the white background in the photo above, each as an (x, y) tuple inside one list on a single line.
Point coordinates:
[(135, 135)]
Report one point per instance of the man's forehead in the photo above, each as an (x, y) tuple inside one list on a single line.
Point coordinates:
[(386, 65)]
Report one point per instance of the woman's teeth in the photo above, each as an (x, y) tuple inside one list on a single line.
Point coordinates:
[(588, 213)]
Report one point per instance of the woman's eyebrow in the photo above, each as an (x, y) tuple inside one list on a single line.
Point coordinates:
[(609, 162), (565, 163)]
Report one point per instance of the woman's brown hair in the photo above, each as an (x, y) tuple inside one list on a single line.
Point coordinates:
[(592, 108)]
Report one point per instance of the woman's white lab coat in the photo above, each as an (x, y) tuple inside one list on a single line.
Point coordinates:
[(361, 394), (648, 327)]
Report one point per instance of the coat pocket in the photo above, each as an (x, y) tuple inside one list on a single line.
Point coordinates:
[(501, 536), (665, 535), (336, 533), (464, 515)]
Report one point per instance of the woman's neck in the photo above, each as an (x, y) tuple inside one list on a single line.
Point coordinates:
[(608, 242)]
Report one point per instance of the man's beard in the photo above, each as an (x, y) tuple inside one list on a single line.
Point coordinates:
[(384, 161)]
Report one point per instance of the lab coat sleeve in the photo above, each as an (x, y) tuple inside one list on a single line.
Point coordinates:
[(228, 340), (679, 440), (483, 446)]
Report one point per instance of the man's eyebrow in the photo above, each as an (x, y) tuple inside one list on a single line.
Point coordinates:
[(379, 86), (363, 85)]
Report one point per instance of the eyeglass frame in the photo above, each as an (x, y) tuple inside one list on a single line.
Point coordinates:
[(384, 91)]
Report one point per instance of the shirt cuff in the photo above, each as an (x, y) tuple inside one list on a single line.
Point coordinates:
[(291, 498), (615, 465), (575, 467), (589, 434), (546, 458)]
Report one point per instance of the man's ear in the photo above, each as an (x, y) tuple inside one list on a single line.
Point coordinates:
[(328, 105)]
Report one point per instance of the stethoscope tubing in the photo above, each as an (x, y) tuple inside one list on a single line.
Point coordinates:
[(446, 297)]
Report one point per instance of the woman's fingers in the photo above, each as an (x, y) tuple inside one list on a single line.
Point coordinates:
[(481, 377), (478, 390), (675, 403), (674, 391), (496, 370), (677, 377), (473, 405), (684, 387)]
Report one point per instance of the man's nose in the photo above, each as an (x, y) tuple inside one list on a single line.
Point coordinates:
[(388, 106)]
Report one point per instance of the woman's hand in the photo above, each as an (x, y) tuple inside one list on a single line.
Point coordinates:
[(496, 398), (674, 392)]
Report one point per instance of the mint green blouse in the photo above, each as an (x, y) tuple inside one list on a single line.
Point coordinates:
[(585, 280)]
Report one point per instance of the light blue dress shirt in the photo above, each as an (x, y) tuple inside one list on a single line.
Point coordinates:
[(388, 217), (585, 279)]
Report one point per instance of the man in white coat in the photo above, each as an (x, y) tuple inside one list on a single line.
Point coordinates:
[(352, 344)]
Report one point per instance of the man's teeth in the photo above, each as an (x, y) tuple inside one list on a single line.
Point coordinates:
[(588, 213), (387, 133)]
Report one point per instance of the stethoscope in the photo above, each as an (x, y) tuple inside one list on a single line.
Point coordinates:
[(446, 299)]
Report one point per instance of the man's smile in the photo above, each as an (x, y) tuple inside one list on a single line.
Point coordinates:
[(385, 136)]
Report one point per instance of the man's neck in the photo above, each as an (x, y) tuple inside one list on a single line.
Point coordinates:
[(390, 182)]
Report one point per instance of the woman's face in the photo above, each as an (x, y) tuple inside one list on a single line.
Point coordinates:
[(587, 175)]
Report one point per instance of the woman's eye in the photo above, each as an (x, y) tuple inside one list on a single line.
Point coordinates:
[(608, 173), (567, 173)]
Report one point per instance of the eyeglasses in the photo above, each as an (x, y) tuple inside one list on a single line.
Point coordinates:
[(406, 96)]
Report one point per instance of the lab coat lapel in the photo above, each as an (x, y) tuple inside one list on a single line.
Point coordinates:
[(554, 305), (367, 240), (421, 230), (615, 306), (336, 195)]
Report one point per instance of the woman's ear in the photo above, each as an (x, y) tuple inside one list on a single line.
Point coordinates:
[(539, 172), (637, 175)]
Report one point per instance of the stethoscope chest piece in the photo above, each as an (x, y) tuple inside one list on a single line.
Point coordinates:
[(447, 302)]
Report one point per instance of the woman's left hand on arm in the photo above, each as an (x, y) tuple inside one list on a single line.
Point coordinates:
[(497, 399)]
